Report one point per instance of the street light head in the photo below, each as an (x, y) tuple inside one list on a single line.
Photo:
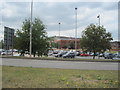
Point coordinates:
[(59, 23), (98, 16), (75, 8)]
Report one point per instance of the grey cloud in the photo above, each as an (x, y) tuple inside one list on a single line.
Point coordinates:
[(57, 12)]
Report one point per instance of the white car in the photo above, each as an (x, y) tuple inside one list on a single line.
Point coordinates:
[(116, 57), (16, 55)]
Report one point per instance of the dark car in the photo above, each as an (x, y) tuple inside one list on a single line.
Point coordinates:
[(109, 56), (60, 54), (69, 55), (78, 53)]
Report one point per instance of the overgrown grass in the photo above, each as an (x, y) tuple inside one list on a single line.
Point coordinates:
[(28, 77)]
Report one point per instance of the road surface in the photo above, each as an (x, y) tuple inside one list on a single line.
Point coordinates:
[(61, 64)]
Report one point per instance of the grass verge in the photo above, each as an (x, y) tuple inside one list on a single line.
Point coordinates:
[(28, 77), (62, 59)]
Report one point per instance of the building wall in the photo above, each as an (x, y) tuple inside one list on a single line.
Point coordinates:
[(8, 38), (65, 41), (115, 46)]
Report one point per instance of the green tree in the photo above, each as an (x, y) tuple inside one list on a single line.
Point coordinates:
[(71, 45), (40, 42), (1, 44), (95, 39), (65, 46)]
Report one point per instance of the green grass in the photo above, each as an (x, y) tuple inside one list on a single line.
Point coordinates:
[(112, 51), (28, 77), (63, 59)]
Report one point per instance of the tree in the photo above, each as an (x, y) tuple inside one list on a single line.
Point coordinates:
[(95, 39), (71, 45), (40, 42), (1, 44), (54, 45), (65, 46)]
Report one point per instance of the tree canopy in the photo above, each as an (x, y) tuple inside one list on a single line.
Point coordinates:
[(40, 42), (95, 39)]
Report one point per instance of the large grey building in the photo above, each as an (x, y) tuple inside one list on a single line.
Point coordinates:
[(8, 38)]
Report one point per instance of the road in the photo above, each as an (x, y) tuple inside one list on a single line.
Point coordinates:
[(61, 64)]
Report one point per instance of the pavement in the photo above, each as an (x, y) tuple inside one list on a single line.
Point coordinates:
[(60, 64)]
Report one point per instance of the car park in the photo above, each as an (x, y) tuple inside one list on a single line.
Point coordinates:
[(69, 55)]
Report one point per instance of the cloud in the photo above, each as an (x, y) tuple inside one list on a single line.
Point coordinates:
[(51, 13)]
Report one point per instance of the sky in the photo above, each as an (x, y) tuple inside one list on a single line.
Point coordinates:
[(52, 13)]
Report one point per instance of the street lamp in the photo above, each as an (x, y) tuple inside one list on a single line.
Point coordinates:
[(59, 29), (59, 34), (98, 20), (99, 26), (31, 29), (76, 29)]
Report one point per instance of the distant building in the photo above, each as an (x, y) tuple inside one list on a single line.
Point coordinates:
[(8, 38), (115, 46), (65, 41)]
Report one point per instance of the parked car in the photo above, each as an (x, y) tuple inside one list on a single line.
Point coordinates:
[(116, 57), (60, 54), (1, 51), (69, 55), (101, 55), (6, 53), (56, 52), (82, 54), (78, 53), (92, 54), (50, 52), (109, 56)]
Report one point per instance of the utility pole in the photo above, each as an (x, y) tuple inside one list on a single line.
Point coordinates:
[(31, 29)]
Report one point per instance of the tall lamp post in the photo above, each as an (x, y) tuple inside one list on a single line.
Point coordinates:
[(31, 29), (99, 20), (59, 34), (76, 29), (99, 26)]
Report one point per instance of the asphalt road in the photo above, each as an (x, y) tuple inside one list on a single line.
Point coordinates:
[(61, 64)]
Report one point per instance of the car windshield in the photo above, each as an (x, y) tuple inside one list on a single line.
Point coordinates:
[(67, 53)]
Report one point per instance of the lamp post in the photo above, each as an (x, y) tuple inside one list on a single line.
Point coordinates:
[(99, 26), (76, 29), (59, 34), (59, 29), (31, 29), (99, 20)]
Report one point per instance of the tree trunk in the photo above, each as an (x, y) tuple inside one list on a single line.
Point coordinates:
[(34, 54), (99, 56), (94, 55)]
